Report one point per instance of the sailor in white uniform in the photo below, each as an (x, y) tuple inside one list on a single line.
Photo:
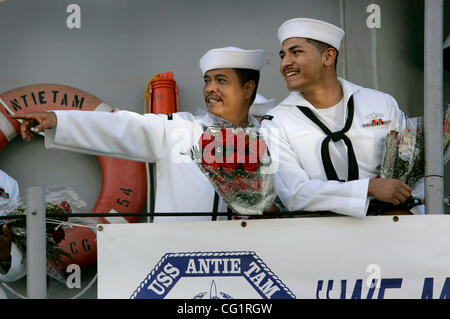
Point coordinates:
[(327, 136), (11, 261), (231, 77), (261, 106), (9, 189), (164, 139)]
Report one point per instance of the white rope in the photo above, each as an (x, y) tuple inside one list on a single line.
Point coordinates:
[(61, 223), (13, 291), (85, 289)]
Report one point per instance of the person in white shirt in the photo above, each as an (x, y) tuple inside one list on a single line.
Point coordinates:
[(231, 77), (261, 106), (323, 135), (11, 261), (9, 189)]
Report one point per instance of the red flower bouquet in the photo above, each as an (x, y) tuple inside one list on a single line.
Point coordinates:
[(235, 160), (59, 200)]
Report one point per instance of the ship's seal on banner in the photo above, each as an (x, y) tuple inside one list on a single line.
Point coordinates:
[(212, 275)]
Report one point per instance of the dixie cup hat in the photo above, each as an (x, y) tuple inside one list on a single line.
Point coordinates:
[(231, 57), (311, 29)]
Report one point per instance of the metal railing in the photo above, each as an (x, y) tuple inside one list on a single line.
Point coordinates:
[(36, 254), (36, 233)]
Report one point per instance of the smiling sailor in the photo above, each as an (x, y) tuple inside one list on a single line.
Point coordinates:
[(329, 132), (231, 77)]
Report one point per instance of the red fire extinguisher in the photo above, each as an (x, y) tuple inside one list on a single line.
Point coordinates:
[(161, 97), (161, 94)]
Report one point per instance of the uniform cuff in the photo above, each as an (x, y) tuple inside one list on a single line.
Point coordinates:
[(359, 203), (17, 269)]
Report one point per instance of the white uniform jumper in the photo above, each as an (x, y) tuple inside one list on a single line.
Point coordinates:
[(165, 140), (9, 191), (161, 139), (296, 144)]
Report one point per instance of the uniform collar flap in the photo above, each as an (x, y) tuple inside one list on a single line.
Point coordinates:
[(209, 119), (296, 98)]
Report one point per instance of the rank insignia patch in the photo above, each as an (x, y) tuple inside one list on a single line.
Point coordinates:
[(376, 122)]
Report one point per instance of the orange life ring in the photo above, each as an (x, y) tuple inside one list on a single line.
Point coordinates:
[(124, 182)]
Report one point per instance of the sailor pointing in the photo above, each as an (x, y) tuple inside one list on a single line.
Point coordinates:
[(329, 151), (231, 77)]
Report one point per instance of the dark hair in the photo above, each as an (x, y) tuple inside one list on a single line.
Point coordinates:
[(322, 47), (246, 75)]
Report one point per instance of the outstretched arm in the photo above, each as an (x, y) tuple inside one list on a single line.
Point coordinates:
[(120, 134), (35, 123)]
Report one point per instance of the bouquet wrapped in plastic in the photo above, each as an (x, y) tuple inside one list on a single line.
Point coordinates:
[(404, 150), (236, 162), (60, 200)]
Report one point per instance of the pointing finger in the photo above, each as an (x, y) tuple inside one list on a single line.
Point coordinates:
[(24, 116)]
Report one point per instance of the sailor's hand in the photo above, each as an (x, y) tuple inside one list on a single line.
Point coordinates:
[(35, 123), (5, 243), (389, 190)]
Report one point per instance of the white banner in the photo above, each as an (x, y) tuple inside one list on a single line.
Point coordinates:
[(332, 257)]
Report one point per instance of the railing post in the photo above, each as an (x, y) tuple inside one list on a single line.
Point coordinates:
[(36, 244), (433, 108)]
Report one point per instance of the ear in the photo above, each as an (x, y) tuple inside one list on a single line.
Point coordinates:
[(328, 57), (249, 87)]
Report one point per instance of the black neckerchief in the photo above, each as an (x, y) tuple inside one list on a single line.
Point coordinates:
[(353, 171)]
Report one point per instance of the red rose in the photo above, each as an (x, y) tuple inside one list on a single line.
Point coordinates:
[(251, 163), (225, 188), (211, 168), (241, 141), (255, 184), (220, 179), (209, 163), (208, 149), (225, 137), (58, 235), (205, 139), (228, 170), (65, 206), (231, 162)]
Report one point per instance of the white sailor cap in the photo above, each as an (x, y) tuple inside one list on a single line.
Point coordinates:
[(311, 29), (261, 105), (231, 57)]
